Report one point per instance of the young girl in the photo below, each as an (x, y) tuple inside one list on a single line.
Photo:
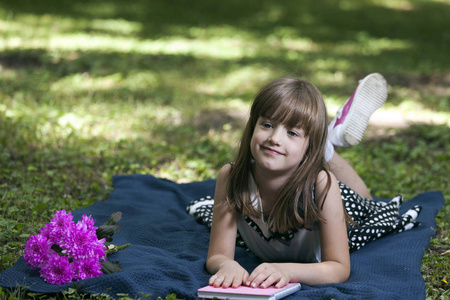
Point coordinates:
[(285, 201)]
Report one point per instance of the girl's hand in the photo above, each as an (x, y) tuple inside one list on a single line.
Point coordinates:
[(267, 274), (230, 274)]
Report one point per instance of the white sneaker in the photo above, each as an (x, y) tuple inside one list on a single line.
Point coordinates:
[(349, 125)]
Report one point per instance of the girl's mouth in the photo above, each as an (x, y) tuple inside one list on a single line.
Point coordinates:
[(271, 150)]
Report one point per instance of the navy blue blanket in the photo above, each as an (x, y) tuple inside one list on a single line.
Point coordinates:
[(169, 249)]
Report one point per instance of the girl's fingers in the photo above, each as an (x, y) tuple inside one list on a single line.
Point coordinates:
[(216, 281), (265, 276), (212, 279), (236, 282), (240, 280), (245, 278), (227, 282), (258, 279), (256, 272), (273, 278), (230, 276), (281, 283)]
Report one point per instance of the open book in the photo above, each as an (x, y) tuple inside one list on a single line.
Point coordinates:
[(245, 292)]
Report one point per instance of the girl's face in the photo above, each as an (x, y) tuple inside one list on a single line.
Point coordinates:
[(276, 147)]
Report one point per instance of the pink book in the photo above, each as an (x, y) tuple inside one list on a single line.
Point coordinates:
[(245, 292)]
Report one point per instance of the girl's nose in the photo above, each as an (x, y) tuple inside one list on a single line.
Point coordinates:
[(274, 137)]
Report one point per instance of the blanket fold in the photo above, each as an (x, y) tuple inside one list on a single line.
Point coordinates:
[(169, 248)]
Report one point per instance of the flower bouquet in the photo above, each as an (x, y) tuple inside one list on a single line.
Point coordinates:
[(66, 251)]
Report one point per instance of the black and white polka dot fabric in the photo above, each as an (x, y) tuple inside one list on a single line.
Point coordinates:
[(202, 210), (374, 219)]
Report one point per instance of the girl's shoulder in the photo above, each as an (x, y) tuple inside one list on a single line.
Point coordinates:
[(225, 171), (324, 176), (325, 181)]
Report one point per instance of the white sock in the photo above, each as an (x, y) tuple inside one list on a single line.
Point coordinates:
[(329, 150), (336, 137)]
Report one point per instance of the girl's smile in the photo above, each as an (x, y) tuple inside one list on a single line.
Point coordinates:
[(270, 150)]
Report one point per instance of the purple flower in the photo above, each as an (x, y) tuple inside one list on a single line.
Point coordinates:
[(87, 268), (55, 230), (88, 222), (79, 243), (57, 270), (45, 232), (37, 250), (65, 250)]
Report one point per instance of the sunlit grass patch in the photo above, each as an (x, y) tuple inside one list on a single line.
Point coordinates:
[(367, 45), (65, 34)]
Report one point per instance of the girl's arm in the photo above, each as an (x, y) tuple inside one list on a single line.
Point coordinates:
[(220, 261), (335, 265)]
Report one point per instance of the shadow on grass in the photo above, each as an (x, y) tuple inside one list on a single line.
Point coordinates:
[(420, 22), (343, 31)]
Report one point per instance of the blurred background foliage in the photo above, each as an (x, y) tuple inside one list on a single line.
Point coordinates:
[(90, 89)]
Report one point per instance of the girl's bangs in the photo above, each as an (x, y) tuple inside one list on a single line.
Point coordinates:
[(290, 112)]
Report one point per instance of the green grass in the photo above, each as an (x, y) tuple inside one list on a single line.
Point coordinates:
[(90, 89)]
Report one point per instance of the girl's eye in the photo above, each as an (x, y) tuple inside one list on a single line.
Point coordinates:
[(292, 133), (267, 125)]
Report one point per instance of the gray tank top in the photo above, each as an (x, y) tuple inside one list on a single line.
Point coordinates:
[(302, 246)]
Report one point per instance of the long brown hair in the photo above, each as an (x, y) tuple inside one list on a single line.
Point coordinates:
[(296, 103)]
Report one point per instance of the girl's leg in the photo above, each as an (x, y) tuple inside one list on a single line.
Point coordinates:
[(345, 173), (349, 125)]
